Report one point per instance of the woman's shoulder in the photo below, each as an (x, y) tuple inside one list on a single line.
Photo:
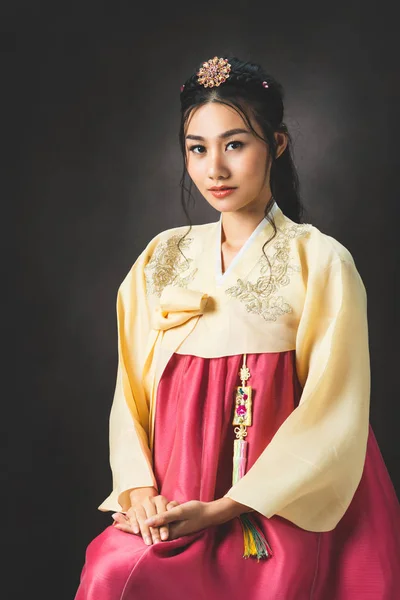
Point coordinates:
[(166, 243), (317, 247), (320, 254), (180, 230)]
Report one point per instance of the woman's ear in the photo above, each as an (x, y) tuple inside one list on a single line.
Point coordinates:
[(281, 142)]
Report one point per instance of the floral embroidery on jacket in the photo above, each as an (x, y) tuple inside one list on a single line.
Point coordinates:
[(167, 266), (260, 297)]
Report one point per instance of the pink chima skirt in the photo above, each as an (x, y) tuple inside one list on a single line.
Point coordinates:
[(193, 447)]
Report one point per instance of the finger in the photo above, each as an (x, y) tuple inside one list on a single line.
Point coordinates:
[(151, 510), (161, 504), (123, 527), (149, 534), (119, 518), (165, 530), (144, 528), (175, 514), (155, 534), (132, 519)]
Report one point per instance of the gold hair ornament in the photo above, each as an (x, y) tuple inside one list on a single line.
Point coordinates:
[(214, 72)]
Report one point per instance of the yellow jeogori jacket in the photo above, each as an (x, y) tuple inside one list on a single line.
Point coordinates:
[(310, 298)]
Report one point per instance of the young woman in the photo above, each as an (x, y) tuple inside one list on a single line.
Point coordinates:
[(243, 460)]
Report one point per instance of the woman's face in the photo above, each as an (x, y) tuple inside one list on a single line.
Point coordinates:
[(216, 157)]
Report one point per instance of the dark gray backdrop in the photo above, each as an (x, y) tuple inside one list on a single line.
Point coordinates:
[(96, 124)]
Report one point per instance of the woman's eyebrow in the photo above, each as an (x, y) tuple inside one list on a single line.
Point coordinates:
[(221, 135)]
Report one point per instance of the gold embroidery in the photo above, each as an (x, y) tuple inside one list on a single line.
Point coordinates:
[(167, 265), (260, 297)]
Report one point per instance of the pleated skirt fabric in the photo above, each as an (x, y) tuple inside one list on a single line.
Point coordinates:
[(193, 449)]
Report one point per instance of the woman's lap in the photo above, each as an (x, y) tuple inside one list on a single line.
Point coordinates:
[(110, 557)]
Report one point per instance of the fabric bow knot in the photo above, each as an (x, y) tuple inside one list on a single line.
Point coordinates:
[(177, 305)]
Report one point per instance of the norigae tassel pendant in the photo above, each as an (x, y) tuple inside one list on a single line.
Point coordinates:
[(255, 543), (241, 419)]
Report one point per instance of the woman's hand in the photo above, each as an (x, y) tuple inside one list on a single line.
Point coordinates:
[(193, 516), (145, 503)]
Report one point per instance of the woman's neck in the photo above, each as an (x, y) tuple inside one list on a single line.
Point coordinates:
[(237, 227)]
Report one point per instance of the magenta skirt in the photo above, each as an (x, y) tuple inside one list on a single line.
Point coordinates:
[(193, 446)]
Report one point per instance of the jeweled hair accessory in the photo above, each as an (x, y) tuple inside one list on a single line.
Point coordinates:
[(214, 72)]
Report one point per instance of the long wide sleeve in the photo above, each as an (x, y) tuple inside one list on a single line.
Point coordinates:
[(311, 469), (130, 456)]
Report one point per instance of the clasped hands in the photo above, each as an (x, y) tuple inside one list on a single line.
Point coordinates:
[(157, 519)]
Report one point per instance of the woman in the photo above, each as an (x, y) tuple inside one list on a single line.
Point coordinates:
[(242, 455)]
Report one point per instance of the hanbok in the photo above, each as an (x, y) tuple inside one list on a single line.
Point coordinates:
[(293, 303)]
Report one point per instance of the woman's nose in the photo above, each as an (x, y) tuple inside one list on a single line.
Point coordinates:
[(217, 166)]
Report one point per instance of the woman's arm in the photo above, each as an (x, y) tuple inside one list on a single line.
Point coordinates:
[(310, 470), (224, 509), (130, 455)]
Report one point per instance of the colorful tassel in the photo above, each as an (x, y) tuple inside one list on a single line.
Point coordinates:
[(239, 459), (255, 543)]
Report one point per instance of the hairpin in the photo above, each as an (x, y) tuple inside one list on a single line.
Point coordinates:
[(214, 72)]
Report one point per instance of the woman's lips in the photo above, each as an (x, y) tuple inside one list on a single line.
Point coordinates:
[(222, 193)]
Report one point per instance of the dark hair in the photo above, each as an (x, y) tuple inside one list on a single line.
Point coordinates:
[(244, 90)]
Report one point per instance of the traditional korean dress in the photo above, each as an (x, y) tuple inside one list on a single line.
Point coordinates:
[(320, 492)]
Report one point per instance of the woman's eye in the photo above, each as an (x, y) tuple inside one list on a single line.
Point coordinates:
[(240, 143), (193, 148)]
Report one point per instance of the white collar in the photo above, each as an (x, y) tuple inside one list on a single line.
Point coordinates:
[(219, 275)]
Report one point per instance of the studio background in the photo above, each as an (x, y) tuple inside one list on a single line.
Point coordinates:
[(98, 176)]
